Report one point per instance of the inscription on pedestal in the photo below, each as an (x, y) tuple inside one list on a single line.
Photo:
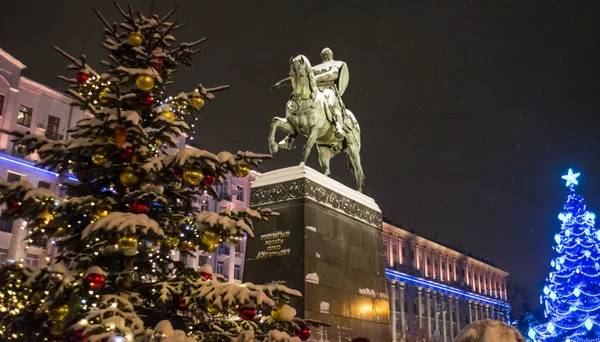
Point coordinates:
[(327, 244)]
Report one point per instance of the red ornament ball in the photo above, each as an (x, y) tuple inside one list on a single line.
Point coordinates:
[(95, 281), (179, 302), (139, 208), (206, 275), (147, 100), (79, 337), (303, 334), (127, 153), (82, 78), (156, 62), (208, 179), (13, 205), (247, 313)]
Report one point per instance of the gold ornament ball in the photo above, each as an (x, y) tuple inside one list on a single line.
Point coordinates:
[(135, 39), (102, 94), (100, 213), (192, 176), (59, 232), (99, 158), (128, 241), (197, 102), (171, 242), (169, 115), (43, 218), (144, 82), (276, 312), (187, 246), (212, 248), (175, 185), (213, 309), (234, 241), (210, 237), (59, 313), (128, 177), (242, 170)]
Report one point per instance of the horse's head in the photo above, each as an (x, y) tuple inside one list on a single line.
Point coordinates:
[(303, 78)]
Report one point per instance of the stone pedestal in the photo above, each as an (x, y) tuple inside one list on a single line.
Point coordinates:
[(327, 244)]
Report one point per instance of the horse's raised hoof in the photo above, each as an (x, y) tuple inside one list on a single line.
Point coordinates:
[(273, 147)]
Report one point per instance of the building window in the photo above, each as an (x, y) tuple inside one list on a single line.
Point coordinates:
[(24, 116), (428, 261), (238, 248), (403, 251), (394, 249), (6, 225), (3, 254), (220, 267), (44, 185), (52, 129), (223, 187), (237, 272), (1, 103), (385, 245), (223, 249), (412, 254), (204, 205), (13, 177), (443, 265), (39, 241), (240, 196), (31, 259)]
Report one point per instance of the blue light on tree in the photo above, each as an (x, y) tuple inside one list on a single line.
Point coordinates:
[(571, 295)]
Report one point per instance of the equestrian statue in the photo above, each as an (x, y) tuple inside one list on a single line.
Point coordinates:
[(316, 110)]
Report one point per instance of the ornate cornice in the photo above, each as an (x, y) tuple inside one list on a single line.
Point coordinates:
[(306, 188)]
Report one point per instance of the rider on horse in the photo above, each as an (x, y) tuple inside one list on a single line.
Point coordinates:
[(332, 79)]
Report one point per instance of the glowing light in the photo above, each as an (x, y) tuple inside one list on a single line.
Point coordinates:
[(551, 328), (557, 238), (546, 290), (531, 333), (588, 324), (577, 292), (571, 177)]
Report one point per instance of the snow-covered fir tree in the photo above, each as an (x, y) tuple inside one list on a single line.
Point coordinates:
[(571, 295), (131, 208)]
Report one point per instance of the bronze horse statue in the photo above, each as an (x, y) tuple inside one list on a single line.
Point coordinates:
[(308, 112)]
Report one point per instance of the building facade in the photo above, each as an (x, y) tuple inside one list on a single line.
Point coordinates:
[(435, 291), (28, 106)]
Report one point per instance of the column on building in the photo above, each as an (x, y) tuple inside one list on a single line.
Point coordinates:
[(450, 318), (402, 314), (393, 309), (417, 250), (436, 312), (420, 307), (454, 263), (441, 258), (457, 303), (443, 299), (428, 296), (424, 260), (470, 304)]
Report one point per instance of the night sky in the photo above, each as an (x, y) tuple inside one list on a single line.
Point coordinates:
[(470, 110)]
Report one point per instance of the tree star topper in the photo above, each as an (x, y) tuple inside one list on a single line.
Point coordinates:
[(571, 178)]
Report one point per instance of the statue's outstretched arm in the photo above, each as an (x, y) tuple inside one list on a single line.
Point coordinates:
[(286, 82), (328, 76)]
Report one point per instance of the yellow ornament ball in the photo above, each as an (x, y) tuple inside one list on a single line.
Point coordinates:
[(135, 39), (59, 232), (144, 82), (212, 248), (210, 237), (187, 246), (100, 213), (197, 102), (99, 158), (192, 176), (171, 242), (169, 115), (242, 170), (128, 241), (128, 177), (213, 309), (59, 313), (43, 218)]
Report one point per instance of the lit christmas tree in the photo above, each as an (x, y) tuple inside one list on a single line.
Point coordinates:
[(572, 292), (131, 211)]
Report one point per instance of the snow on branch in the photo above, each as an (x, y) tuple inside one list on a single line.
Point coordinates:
[(127, 223)]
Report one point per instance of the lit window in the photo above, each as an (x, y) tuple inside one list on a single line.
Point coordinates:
[(32, 259), (44, 185), (13, 177), (3, 254), (24, 116)]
